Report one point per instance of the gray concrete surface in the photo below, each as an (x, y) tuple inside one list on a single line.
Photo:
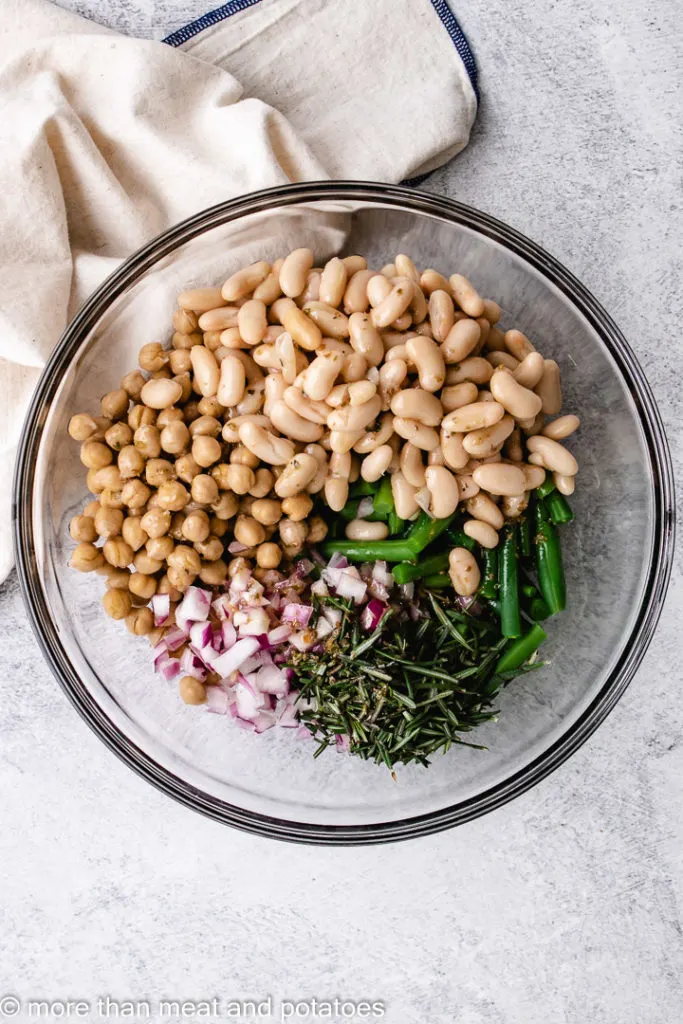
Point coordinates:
[(560, 908)]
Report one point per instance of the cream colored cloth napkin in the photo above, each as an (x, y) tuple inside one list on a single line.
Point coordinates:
[(107, 140)]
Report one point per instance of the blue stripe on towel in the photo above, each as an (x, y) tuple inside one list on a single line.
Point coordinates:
[(235, 6)]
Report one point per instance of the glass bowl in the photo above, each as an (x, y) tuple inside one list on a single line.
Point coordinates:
[(617, 552)]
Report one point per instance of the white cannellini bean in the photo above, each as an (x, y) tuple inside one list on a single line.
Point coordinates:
[(333, 281), (377, 463), (464, 572), (232, 382), (426, 355), (361, 529), (483, 533), (466, 295), (206, 371), (519, 401), (243, 283), (443, 490), (499, 478), (294, 271), (562, 427), (555, 456)]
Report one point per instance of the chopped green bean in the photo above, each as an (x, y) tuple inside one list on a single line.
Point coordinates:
[(383, 502), (459, 539), (438, 581), (516, 653), (549, 565), (510, 621), (489, 587), (546, 488), (426, 530), (369, 551), (559, 509), (405, 572)]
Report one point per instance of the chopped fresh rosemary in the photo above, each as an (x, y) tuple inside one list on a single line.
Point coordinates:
[(407, 690)]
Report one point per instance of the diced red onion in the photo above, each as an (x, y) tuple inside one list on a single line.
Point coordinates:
[(378, 590), (201, 635), (221, 606), (174, 638), (279, 635), (248, 700), (244, 724), (271, 679), (194, 607), (343, 743), (161, 606), (231, 660), (264, 720), (298, 614), (423, 498), (372, 614), (337, 561), (235, 548), (303, 733), (333, 615), (191, 665), (229, 634), (304, 640), (288, 717), (351, 587), (252, 621), (217, 700), (382, 574), (240, 581), (323, 628), (303, 568), (407, 591), (319, 588), (365, 506), (169, 668)]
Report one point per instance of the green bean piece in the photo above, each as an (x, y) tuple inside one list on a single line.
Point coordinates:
[(538, 609), (525, 545), (559, 509), (549, 567), (459, 539), (439, 581), (518, 652), (511, 625), (529, 590), (369, 551), (383, 502), (350, 510), (396, 524), (426, 530), (546, 488), (489, 587), (362, 489), (405, 572)]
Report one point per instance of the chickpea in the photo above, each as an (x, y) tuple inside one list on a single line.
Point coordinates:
[(246, 503), (175, 438), (181, 340), (293, 534), (82, 528), (219, 527), (191, 411), (210, 406), (135, 494), (192, 691), (297, 507), (163, 374), (184, 321), (117, 603), (159, 472), (142, 586), (180, 579), (207, 426), (140, 415), (147, 441), (213, 573), (268, 556), (140, 621), (117, 552), (221, 474), (267, 511), (206, 450), (109, 477), (146, 565), (95, 455), (317, 530), (180, 361), (108, 522), (263, 484), (248, 531), (170, 415), (240, 478), (116, 579), (204, 489), (152, 357), (236, 565), (86, 557), (187, 469), (172, 496), (166, 587), (115, 404), (110, 498), (175, 530), (91, 508), (196, 526), (185, 558), (118, 436), (91, 482), (133, 533), (82, 426), (241, 456), (210, 548), (159, 548), (156, 522), (185, 381), (133, 384), (131, 462)]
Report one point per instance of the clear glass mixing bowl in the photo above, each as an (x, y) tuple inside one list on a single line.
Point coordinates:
[(618, 550)]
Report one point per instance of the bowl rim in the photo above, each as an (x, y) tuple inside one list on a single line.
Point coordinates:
[(654, 590)]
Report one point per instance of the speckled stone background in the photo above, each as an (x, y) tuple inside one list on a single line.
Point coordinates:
[(561, 908)]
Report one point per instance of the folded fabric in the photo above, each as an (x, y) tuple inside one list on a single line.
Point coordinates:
[(108, 140)]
